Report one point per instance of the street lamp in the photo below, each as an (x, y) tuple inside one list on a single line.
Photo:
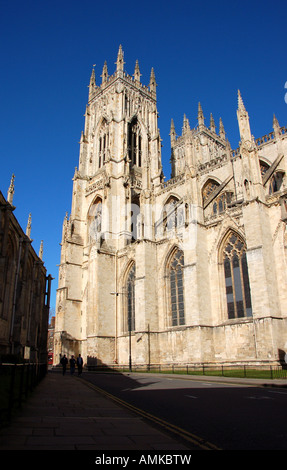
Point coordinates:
[(129, 328)]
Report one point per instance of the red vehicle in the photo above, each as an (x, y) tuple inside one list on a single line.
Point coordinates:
[(50, 358)]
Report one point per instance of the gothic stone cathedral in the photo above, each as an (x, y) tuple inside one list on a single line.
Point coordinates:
[(186, 271)]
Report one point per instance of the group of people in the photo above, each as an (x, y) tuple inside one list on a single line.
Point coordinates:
[(73, 363)]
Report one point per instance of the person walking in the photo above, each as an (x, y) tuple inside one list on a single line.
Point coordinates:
[(80, 364), (72, 365), (64, 362)]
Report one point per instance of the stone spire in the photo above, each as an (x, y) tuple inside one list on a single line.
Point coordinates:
[(212, 123), (186, 126), (105, 73), (221, 129), (11, 190), (200, 116), (152, 82), (172, 133), (137, 74), (41, 250), (241, 106), (276, 126), (29, 225), (120, 62), (243, 120), (92, 85)]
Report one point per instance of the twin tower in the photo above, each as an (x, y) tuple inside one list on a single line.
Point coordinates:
[(176, 271)]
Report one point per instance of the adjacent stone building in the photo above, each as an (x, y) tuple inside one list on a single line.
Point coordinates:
[(186, 271), (24, 289)]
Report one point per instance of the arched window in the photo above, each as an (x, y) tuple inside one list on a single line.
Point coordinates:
[(103, 144), (263, 167), (130, 299), (134, 143), (209, 187), (173, 215), (176, 288), (275, 182), (219, 202), (236, 277)]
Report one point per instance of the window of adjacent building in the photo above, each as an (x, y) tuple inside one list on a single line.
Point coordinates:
[(134, 144), (175, 275), (236, 278), (130, 299)]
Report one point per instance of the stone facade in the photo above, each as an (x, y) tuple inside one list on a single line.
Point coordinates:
[(188, 271), (24, 289)]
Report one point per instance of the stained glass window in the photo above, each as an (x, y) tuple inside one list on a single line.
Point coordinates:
[(176, 288), (236, 278), (130, 291)]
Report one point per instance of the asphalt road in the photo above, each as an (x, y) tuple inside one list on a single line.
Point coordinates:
[(231, 417)]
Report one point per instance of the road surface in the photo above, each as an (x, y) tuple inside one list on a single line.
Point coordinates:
[(227, 416)]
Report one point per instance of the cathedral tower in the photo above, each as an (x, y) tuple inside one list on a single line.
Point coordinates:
[(119, 164)]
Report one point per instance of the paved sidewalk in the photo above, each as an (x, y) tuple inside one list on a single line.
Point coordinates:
[(63, 413)]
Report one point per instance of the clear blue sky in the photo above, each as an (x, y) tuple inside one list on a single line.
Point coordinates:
[(200, 51)]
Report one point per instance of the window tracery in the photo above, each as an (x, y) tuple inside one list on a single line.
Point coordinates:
[(237, 286), (130, 299), (208, 189), (134, 144), (176, 285), (103, 144), (220, 202)]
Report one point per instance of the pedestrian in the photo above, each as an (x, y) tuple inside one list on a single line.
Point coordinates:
[(80, 364), (64, 362), (72, 365)]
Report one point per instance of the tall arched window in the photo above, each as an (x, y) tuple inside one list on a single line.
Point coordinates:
[(236, 277), (130, 299), (175, 277), (103, 143), (134, 143)]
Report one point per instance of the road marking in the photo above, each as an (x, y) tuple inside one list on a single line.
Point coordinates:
[(190, 396), (260, 398), (192, 438)]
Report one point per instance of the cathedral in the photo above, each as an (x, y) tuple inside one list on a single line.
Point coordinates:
[(190, 270)]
